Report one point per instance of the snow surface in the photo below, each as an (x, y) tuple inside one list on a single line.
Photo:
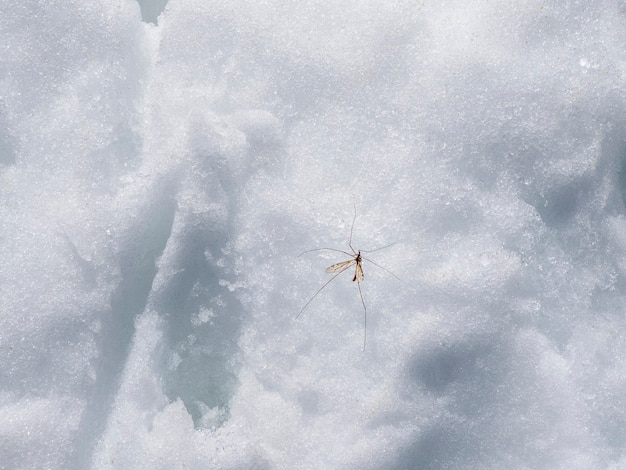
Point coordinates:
[(160, 176)]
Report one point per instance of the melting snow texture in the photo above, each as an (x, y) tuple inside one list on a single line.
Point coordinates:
[(160, 177)]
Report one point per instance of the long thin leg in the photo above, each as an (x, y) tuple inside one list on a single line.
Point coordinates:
[(320, 290), (352, 228), (330, 249), (379, 266), (377, 249), (364, 316)]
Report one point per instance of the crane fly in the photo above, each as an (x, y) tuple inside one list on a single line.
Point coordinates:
[(357, 261), (341, 267)]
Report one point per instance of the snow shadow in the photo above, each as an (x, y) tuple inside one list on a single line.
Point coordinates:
[(138, 256), (464, 379), (202, 319), (7, 150)]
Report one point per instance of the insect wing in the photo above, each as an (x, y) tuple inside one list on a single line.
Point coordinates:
[(340, 267), (358, 274)]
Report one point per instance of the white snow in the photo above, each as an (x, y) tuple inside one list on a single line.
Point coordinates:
[(163, 166)]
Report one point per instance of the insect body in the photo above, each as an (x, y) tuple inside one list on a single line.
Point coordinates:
[(341, 267), (338, 268)]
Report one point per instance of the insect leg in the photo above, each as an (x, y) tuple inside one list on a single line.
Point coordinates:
[(351, 229), (330, 249), (380, 248), (318, 291), (379, 266), (364, 316)]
